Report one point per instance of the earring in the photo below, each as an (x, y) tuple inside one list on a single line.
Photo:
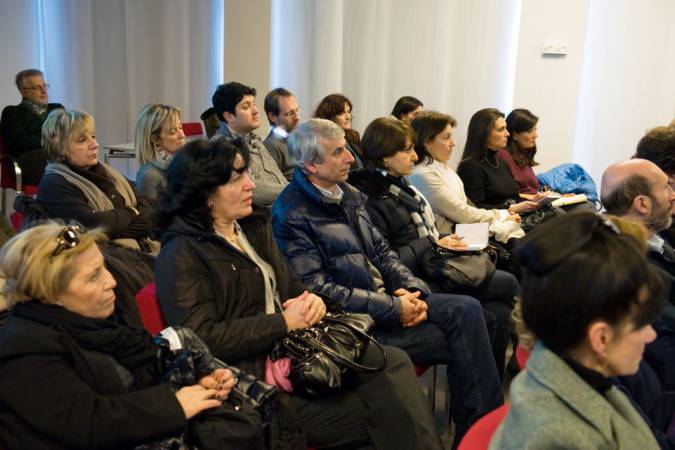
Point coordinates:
[(209, 204)]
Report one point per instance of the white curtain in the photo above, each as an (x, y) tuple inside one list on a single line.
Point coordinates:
[(455, 56), (628, 79), (110, 57)]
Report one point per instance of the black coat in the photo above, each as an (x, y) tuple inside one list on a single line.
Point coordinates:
[(329, 245), (56, 395), (205, 284), (392, 219), (63, 200), (22, 128)]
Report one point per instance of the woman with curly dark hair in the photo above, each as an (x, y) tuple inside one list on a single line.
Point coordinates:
[(338, 108)]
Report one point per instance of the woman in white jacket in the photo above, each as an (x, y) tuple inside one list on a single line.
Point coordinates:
[(443, 188)]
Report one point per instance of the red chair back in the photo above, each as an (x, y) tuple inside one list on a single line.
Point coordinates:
[(7, 173), (193, 129), (148, 307), (479, 435), (522, 355)]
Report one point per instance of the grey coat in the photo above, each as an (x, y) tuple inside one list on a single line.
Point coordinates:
[(151, 179), (553, 408)]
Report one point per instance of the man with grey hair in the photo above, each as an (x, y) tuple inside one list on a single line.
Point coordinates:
[(323, 228), (21, 125)]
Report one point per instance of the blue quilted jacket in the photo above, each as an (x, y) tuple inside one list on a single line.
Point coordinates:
[(329, 245)]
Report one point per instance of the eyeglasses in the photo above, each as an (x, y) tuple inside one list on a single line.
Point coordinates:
[(68, 238), (39, 87), (293, 113)]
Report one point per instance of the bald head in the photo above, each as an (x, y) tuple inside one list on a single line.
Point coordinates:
[(639, 189)]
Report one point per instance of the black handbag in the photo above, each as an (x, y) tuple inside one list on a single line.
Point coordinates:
[(458, 269), (325, 356)]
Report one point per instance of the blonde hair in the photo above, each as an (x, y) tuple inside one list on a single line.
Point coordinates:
[(60, 129), (149, 123), (30, 268)]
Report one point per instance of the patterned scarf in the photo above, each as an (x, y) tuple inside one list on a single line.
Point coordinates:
[(420, 213)]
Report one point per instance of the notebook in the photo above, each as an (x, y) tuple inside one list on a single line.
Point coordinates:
[(475, 235)]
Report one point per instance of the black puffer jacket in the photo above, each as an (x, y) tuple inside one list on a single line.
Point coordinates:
[(205, 284), (392, 218), (329, 246)]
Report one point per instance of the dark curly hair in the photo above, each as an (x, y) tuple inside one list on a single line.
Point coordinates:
[(333, 105), (658, 146), (193, 175)]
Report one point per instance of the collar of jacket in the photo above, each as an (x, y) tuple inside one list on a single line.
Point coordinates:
[(551, 371), (188, 226), (351, 197)]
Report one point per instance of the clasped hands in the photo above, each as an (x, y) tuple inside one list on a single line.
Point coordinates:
[(210, 392), (303, 311), (413, 310)]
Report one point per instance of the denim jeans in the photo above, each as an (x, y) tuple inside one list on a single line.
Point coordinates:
[(496, 296), (454, 334)]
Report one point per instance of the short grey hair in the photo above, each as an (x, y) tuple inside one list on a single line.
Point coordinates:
[(21, 76), (304, 143)]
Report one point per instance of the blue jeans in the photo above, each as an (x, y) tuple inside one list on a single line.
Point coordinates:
[(454, 334)]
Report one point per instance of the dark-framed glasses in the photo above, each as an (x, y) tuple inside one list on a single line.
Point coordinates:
[(68, 238), (38, 87)]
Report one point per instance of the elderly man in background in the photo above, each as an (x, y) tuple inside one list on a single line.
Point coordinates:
[(21, 125)]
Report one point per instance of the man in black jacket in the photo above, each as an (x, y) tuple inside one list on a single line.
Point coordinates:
[(323, 228), (21, 125)]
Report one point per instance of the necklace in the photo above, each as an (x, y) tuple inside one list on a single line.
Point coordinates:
[(495, 165)]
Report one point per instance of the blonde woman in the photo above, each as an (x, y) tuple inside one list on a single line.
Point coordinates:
[(159, 135), (73, 377)]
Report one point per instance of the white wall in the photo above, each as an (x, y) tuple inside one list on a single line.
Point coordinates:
[(548, 85)]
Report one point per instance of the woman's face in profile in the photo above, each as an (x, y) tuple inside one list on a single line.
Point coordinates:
[(440, 147), (625, 350), (90, 291), (234, 199), (171, 137), (344, 119), (498, 135), (526, 139), (83, 150)]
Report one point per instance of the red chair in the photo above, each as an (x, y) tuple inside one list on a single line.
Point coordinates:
[(148, 308), (479, 435), (10, 176), (193, 129), (522, 355)]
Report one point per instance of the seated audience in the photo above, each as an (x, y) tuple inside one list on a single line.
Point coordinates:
[(159, 135), (283, 113), (238, 114), (487, 179), (443, 188), (403, 217), (323, 227), (521, 147), (407, 108), (77, 186), (338, 108), (21, 125), (73, 377), (658, 146), (221, 273), (587, 331)]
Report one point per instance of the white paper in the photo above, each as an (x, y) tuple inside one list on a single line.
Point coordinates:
[(475, 235)]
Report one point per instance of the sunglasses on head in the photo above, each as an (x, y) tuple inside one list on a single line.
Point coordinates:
[(68, 238)]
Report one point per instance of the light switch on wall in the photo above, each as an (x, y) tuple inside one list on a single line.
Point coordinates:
[(554, 47)]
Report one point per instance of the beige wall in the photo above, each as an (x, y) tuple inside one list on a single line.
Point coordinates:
[(247, 47)]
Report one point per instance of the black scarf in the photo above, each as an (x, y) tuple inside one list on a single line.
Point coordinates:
[(133, 348), (97, 175)]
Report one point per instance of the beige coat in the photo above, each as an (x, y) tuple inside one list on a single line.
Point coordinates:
[(553, 408)]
